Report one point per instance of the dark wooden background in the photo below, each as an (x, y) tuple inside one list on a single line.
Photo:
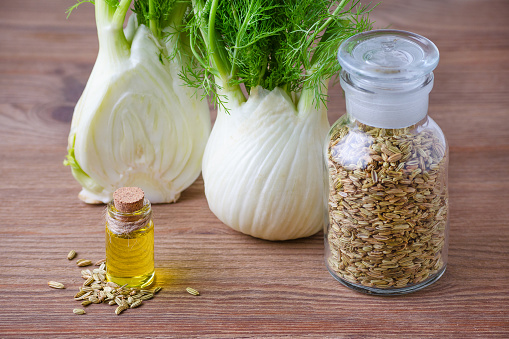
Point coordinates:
[(250, 287)]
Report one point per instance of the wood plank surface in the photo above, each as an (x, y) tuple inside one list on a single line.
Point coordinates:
[(250, 287)]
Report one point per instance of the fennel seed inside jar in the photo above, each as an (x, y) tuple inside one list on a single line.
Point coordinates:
[(387, 164)]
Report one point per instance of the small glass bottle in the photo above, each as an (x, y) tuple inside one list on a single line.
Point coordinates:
[(130, 239), (387, 168)]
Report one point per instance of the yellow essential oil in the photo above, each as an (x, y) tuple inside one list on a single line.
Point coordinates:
[(130, 239)]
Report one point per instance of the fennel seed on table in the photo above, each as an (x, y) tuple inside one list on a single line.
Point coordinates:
[(192, 291), (79, 311), (96, 289), (83, 262), (55, 284), (71, 255), (388, 206)]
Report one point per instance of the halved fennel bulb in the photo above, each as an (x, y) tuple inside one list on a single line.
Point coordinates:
[(135, 123), (263, 167)]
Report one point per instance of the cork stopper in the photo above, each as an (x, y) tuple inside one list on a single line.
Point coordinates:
[(128, 199)]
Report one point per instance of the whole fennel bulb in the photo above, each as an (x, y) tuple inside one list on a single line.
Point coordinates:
[(263, 166), (263, 169), (135, 123)]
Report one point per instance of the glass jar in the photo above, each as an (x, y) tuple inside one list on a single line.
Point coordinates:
[(130, 239), (387, 168)]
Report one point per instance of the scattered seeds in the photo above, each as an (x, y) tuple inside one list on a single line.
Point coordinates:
[(192, 291), (100, 262), (87, 288), (147, 296), (71, 255), (55, 284), (89, 280), (94, 299), (96, 289), (80, 293), (83, 262), (119, 301), (121, 309), (96, 285), (137, 296), (86, 273), (136, 304), (85, 296)]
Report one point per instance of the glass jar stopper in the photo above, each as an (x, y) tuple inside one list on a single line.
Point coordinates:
[(387, 76), (393, 55)]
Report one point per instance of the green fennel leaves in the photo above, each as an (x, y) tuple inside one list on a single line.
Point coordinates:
[(290, 44)]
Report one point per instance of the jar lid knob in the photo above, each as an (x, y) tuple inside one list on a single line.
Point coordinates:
[(388, 55)]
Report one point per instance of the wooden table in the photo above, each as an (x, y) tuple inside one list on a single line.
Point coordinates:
[(250, 287)]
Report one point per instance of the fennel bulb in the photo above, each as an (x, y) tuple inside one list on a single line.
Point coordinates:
[(263, 165), (135, 123)]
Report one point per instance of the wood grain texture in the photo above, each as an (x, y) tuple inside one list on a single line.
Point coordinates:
[(249, 287)]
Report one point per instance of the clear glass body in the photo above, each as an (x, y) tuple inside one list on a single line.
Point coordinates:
[(130, 256), (387, 205)]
